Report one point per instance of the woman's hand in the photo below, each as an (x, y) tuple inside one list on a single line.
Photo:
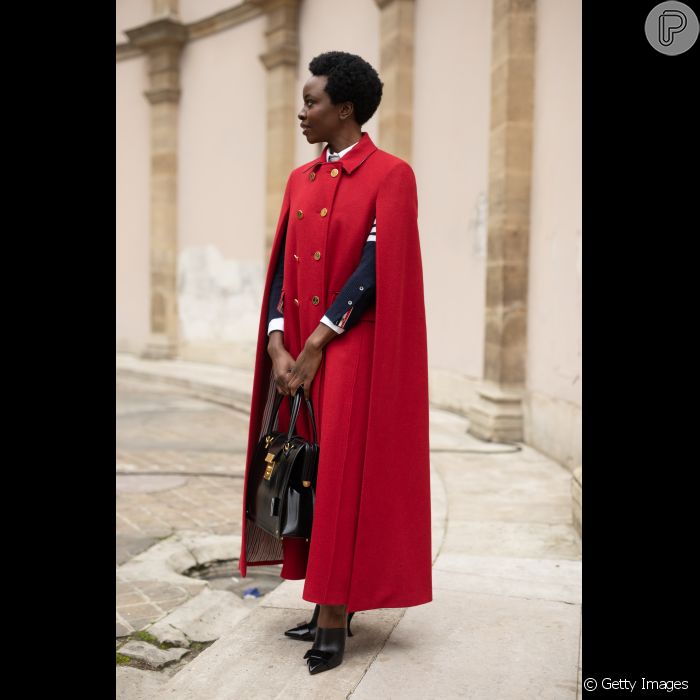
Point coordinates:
[(305, 368), (282, 364), (289, 375)]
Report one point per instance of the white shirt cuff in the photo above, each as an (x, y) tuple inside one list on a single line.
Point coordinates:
[(276, 324), (332, 325)]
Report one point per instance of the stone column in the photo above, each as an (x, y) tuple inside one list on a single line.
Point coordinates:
[(396, 72), (281, 59), (498, 414), (577, 500), (165, 8), (162, 40)]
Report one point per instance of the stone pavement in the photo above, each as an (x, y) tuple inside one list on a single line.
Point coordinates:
[(504, 622)]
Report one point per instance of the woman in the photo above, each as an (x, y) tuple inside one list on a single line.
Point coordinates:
[(344, 309)]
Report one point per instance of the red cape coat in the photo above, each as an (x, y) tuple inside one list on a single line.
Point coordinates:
[(371, 539)]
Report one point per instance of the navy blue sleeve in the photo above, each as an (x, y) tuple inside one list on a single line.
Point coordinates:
[(276, 303), (358, 293)]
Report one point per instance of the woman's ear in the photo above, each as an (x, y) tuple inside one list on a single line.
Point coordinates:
[(346, 110)]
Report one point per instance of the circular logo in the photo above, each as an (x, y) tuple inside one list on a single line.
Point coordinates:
[(671, 28), (590, 684)]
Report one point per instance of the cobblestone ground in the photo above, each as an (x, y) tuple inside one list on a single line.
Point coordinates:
[(180, 463)]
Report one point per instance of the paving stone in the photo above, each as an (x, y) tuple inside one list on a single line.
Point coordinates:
[(137, 684), (547, 579), (287, 595), (147, 483), (129, 546), (162, 562), (140, 616), (130, 599), (478, 646), (167, 634), (513, 539), (208, 616), (257, 662), (123, 630), (153, 656)]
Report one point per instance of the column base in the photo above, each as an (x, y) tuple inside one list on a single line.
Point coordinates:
[(160, 347), (497, 415)]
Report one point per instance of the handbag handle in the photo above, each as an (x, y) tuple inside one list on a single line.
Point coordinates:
[(295, 413), (295, 404)]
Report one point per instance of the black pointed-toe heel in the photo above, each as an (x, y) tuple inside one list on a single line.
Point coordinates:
[(305, 631), (327, 651)]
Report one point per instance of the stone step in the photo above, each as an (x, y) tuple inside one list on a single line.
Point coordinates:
[(256, 661)]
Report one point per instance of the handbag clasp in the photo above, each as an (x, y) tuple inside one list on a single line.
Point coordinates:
[(270, 459)]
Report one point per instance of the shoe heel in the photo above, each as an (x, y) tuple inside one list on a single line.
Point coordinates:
[(350, 618)]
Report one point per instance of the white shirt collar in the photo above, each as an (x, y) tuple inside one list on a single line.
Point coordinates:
[(340, 153)]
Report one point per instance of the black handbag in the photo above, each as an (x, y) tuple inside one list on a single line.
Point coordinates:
[(282, 480)]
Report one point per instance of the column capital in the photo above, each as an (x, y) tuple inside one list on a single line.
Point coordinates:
[(158, 34), (381, 4), (281, 33), (270, 5), (287, 55)]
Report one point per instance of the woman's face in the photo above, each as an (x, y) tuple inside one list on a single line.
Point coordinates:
[(320, 118)]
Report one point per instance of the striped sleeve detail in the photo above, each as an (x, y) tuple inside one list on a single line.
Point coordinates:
[(280, 303), (344, 319), (325, 320), (373, 231)]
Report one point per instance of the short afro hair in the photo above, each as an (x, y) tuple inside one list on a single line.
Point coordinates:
[(350, 79)]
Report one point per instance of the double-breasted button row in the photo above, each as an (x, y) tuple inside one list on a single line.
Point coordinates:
[(317, 256), (334, 173), (300, 213)]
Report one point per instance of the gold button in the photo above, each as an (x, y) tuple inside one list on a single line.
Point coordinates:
[(300, 213), (314, 300), (296, 301), (324, 211), (317, 255), (334, 172), (312, 176)]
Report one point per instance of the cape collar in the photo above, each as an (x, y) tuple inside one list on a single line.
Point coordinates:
[(351, 160)]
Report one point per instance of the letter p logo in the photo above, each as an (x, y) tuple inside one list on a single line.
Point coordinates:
[(672, 28), (671, 22)]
